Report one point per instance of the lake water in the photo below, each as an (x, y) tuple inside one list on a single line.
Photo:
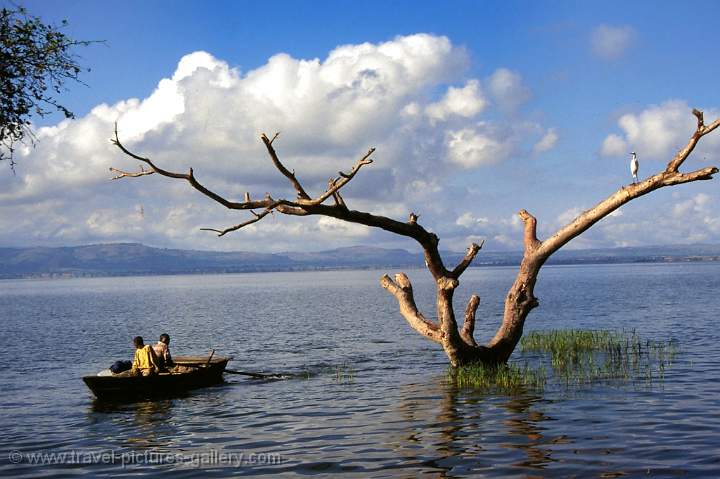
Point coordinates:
[(372, 399)]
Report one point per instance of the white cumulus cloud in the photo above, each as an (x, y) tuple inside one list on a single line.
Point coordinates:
[(547, 142), (472, 147), (465, 102), (508, 89), (610, 42), (468, 220), (658, 132), (697, 204), (408, 97), (614, 145)]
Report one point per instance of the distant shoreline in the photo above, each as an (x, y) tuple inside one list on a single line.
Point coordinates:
[(133, 259)]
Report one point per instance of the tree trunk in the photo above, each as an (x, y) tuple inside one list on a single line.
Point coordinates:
[(459, 345)]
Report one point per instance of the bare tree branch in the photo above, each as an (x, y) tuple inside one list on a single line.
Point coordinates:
[(624, 195), (124, 174), (278, 164), (428, 240), (530, 238), (257, 217), (520, 299), (276, 206), (467, 260), (468, 328), (702, 174), (402, 290), (701, 131), (336, 194), (339, 182), (339, 201), (670, 176), (190, 178)]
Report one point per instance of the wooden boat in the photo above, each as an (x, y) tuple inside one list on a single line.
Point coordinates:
[(199, 372)]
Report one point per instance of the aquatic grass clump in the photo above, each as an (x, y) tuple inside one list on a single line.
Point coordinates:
[(563, 341), (585, 356), (574, 357), (506, 378)]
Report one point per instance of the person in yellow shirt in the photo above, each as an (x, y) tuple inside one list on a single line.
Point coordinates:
[(145, 362)]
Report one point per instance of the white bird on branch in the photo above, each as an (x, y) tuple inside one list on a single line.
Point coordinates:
[(634, 165)]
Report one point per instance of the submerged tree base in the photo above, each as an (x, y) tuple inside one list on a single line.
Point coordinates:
[(573, 358)]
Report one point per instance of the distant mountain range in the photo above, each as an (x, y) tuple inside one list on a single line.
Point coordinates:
[(124, 259)]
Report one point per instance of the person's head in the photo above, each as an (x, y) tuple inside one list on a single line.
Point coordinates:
[(138, 342), (165, 338)]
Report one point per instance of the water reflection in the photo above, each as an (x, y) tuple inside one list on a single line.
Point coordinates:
[(453, 431), (526, 424), (146, 424)]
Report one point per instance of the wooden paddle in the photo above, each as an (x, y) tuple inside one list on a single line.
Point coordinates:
[(257, 375), (212, 353)]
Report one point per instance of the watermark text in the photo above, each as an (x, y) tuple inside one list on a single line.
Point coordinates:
[(125, 458)]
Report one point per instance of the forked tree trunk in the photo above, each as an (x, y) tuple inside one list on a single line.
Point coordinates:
[(460, 346), (458, 343)]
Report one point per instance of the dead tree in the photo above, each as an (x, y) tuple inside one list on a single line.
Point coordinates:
[(458, 343)]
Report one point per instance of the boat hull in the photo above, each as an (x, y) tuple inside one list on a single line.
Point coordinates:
[(119, 388)]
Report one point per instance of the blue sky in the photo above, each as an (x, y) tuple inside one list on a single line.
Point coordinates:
[(511, 105)]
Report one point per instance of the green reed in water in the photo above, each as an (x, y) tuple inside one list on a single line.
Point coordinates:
[(504, 377), (575, 357), (585, 356), (344, 373)]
